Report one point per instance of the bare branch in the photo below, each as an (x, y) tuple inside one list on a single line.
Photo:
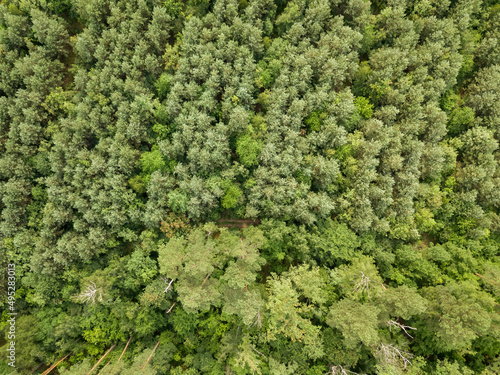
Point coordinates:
[(256, 351), (103, 368), (90, 294), (171, 307), (151, 355), (392, 323), (124, 349), (339, 370), (169, 284), (204, 281), (392, 355), (36, 369), (485, 278), (364, 284), (55, 364), (257, 320), (104, 356)]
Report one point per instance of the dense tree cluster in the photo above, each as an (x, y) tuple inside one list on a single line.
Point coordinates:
[(251, 187)]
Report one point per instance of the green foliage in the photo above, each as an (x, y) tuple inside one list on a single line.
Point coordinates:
[(248, 150), (461, 119), (314, 120), (138, 184), (351, 148), (364, 107), (460, 314), (173, 7), (152, 161), (164, 82), (334, 243), (230, 199), (207, 271), (177, 201), (357, 322), (286, 316), (268, 72)]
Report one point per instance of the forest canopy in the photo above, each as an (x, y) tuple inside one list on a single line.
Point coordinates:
[(243, 187)]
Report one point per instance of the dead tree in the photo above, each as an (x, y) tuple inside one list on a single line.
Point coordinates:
[(392, 355), (55, 364), (104, 356), (392, 323), (151, 355), (91, 293), (339, 370), (363, 284)]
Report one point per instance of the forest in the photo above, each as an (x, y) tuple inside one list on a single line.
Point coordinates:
[(261, 187)]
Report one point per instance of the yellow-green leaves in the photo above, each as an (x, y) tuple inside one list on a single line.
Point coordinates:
[(288, 316), (357, 322), (212, 265), (365, 108), (248, 150)]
